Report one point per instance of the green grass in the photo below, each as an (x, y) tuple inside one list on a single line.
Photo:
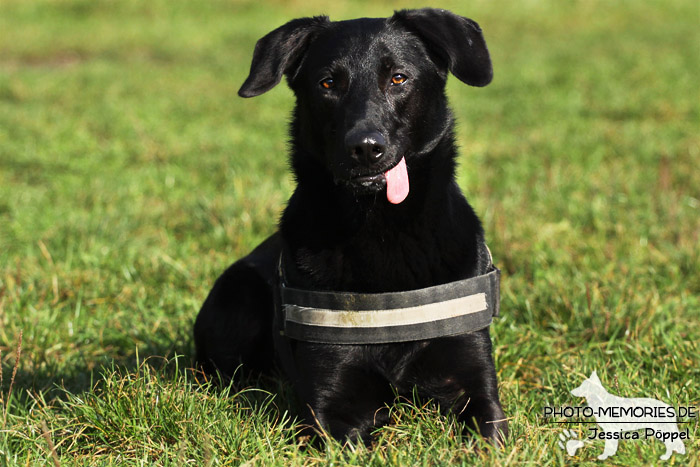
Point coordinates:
[(131, 175)]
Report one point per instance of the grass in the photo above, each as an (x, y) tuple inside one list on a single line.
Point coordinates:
[(131, 175)]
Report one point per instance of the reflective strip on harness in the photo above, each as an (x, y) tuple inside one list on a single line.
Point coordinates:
[(354, 318), (395, 317)]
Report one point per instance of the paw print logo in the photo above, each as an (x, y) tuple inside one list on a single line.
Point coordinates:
[(569, 441)]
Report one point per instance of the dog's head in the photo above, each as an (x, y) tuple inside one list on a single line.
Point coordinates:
[(591, 385), (370, 92)]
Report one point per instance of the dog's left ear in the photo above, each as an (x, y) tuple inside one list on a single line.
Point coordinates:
[(455, 39)]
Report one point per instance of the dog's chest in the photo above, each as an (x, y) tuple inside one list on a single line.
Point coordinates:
[(373, 264)]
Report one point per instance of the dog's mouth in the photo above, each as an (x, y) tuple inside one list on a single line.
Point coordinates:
[(395, 179)]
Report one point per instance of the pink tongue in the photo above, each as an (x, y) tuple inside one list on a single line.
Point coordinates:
[(397, 183)]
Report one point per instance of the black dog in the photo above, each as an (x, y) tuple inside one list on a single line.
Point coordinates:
[(376, 209)]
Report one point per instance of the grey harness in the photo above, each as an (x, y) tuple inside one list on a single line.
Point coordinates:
[(443, 310)]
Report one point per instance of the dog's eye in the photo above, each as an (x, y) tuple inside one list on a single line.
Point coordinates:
[(327, 83), (398, 79)]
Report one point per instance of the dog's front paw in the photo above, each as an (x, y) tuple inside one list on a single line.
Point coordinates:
[(495, 432), (487, 417)]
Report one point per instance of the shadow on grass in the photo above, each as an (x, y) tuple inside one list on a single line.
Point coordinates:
[(53, 377), (167, 356)]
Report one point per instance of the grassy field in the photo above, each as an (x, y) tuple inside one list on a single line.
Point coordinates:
[(131, 175)]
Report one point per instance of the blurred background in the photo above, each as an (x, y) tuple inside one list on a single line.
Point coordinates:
[(131, 175)]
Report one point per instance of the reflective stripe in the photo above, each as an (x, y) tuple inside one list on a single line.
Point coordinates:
[(393, 317)]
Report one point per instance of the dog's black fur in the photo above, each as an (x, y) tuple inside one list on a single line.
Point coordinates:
[(339, 233)]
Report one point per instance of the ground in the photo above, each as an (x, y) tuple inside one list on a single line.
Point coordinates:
[(131, 175)]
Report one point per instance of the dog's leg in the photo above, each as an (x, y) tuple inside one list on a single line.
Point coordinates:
[(673, 446), (669, 451), (234, 326), (458, 373), (609, 450), (346, 400)]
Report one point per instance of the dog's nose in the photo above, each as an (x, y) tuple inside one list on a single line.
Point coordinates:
[(366, 148)]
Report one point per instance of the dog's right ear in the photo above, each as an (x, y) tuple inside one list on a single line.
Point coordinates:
[(278, 53)]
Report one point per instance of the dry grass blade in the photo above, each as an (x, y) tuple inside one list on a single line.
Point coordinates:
[(52, 449), (6, 404)]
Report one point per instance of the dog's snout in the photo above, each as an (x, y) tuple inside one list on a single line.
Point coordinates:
[(367, 148)]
